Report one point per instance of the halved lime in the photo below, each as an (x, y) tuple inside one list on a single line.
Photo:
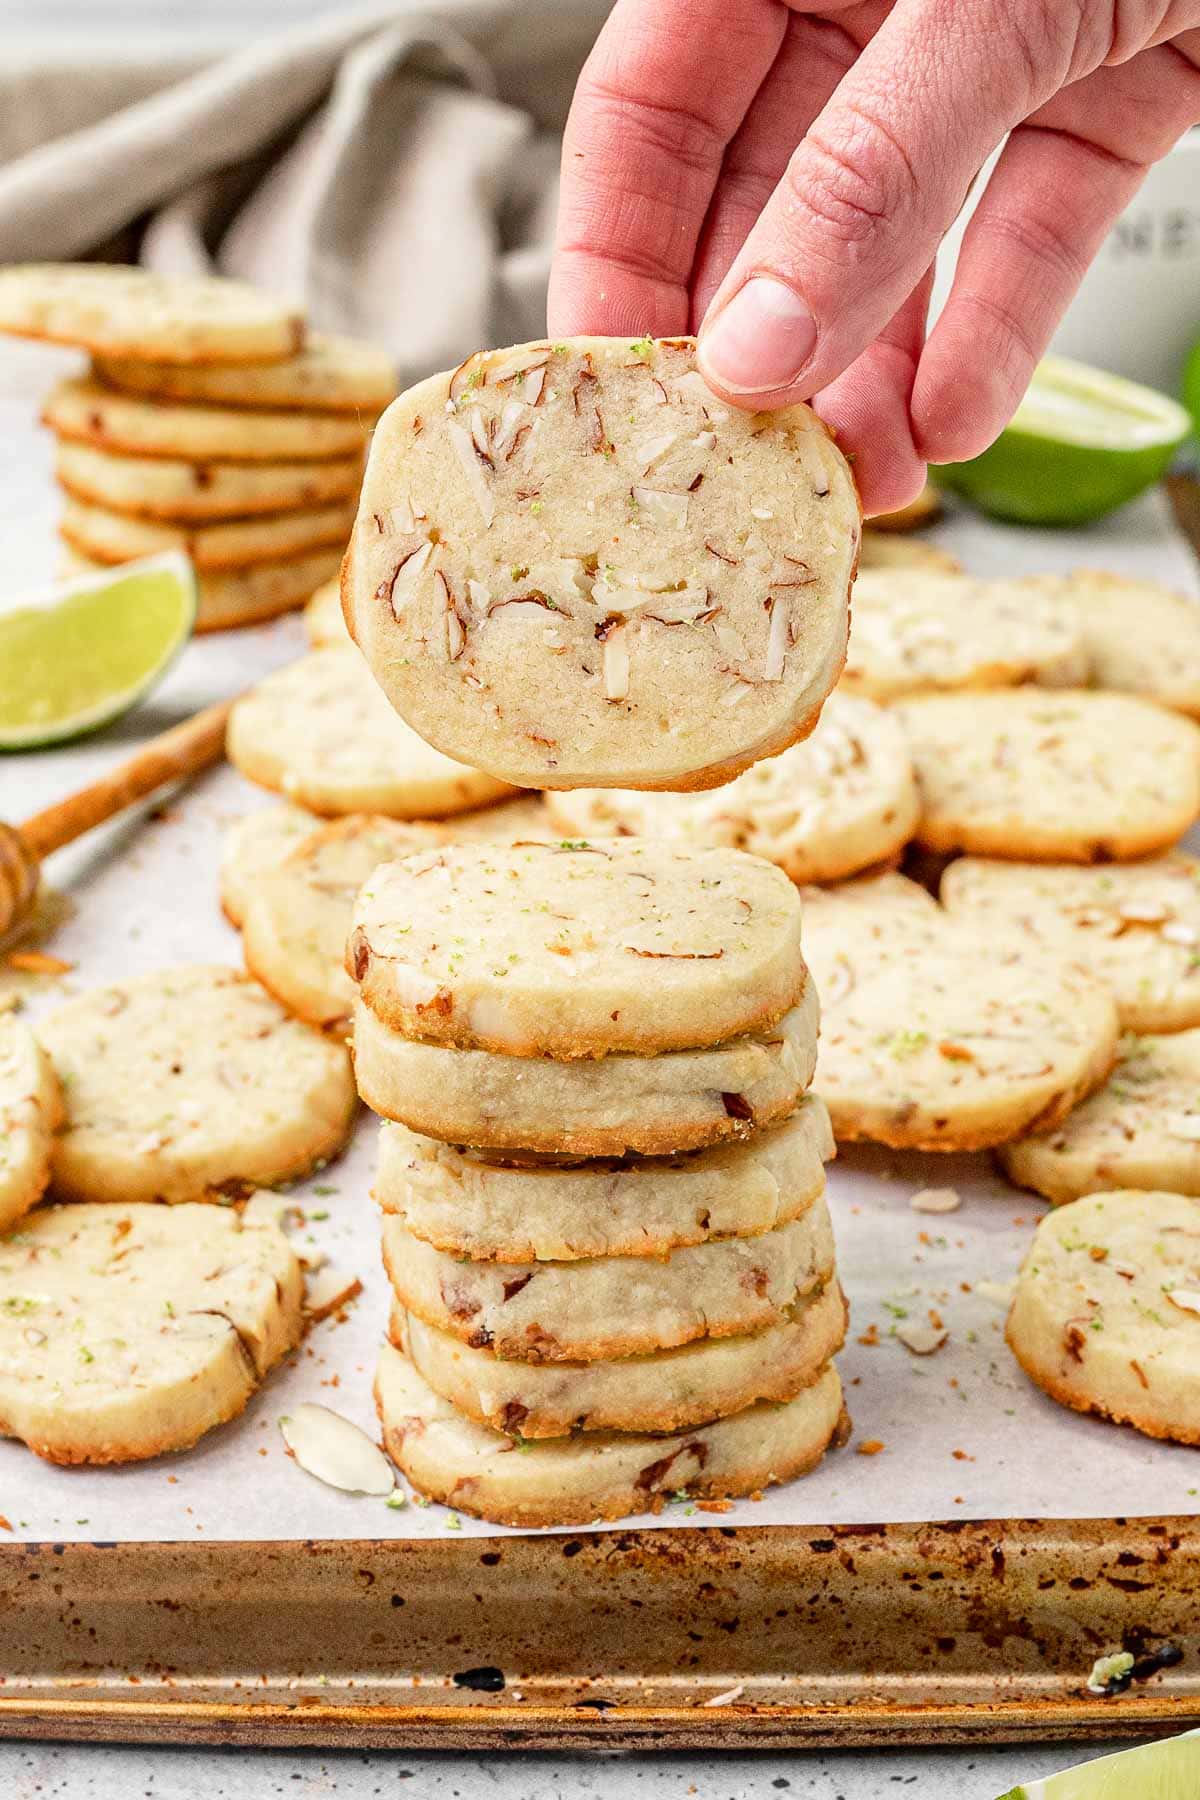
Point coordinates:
[(1169, 1770), (1081, 443), (77, 656), (1191, 386)]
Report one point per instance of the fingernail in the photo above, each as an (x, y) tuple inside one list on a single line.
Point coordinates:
[(760, 340)]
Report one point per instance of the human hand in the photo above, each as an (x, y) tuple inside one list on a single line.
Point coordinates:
[(778, 175)]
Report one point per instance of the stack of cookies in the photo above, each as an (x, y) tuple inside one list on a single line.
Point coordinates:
[(602, 1178), (209, 422)]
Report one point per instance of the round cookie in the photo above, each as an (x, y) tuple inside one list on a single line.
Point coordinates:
[(474, 1207), (191, 1083), (611, 1306), (297, 917), (1106, 1314), (323, 620), (30, 1111), (117, 309), (574, 1481), (254, 844), (158, 487), (328, 374), (1072, 776), (649, 1105), (1141, 1130), (1135, 925), (577, 949), (939, 1037), (321, 732), (113, 537), (232, 597), (922, 511), (824, 809), (917, 632), (85, 411), (666, 1391), (577, 567), (127, 1331), (885, 550), (506, 822), (1140, 637)]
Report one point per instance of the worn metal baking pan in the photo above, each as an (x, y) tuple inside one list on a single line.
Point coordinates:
[(663, 1639)]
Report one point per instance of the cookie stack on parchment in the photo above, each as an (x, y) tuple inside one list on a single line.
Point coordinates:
[(602, 1180), (209, 422)]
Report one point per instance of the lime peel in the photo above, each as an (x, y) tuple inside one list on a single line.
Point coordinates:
[(1167, 1770)]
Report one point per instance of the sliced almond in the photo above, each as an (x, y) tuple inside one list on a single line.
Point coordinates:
[(1000, 1293), (1143, 912), (777, 641), (519, 363), (336, 1451), (1187, 1299), (327, 1289), (1183, 1125), (936, 1200), (663, 506), (616, 663), (922, 1340), (408, 573), (477, 481), (728, 1697), (1176, 932)]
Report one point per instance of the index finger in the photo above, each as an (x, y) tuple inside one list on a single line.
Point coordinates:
[(665, 88)]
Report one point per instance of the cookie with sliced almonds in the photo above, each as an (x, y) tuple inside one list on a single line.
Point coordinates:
[(324, 623), (191, 1083), (473, 1205), (1072, 776), (84, 411), (576, 567), (320, 732), (1106, 1314), (825, 809), (1140, 637), (667, 1390), (160, 487), (329, 373), (611, 1306), (888, 550), (918, 631), (130, 1330), (604, 1106), (253, 844), (597, 1475), (1140, 1130), (576, 948), (228, 598), (298, 914), (936, 1036), (224, 544), (1135, 925), (30, 1111)]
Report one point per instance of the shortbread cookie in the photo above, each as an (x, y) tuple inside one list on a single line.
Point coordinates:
[(190, 1083), (669, 1390), (575, 566), (936, 1036), (918, 632), (1136, 926), (1106, 1316), (232, 597), (922, 511), (470, 1206), (885, 550), (329, 374), (1140, 637), (298, 916), (116, 309), (842, 800), (86, 412), (650, 1105), (114, 537), (323, 621), (158, 487), (321, 732), (516, 821), (30, 1111), (609, 1306), (1065, 777), (254, 844), (578, 949), (574, 1481), (1140, 1130), (128, 1330)]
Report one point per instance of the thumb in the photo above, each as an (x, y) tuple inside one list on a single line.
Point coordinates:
[(867, 197)]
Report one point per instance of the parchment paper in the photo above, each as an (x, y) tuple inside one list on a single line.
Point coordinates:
[(964, 1435)]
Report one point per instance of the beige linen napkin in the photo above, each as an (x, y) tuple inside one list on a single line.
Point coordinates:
[(391, 167)]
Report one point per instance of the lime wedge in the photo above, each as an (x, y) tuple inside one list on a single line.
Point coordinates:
[(79, 655), (1169, 1770), (1191, 386), (1081, 443)]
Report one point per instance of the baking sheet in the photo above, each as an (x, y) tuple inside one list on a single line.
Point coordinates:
[(963, 1435)]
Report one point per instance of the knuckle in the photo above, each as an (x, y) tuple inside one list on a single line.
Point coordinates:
[(668, 133), (852, 185)]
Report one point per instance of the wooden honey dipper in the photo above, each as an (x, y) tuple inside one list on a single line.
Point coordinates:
[(172, 756)]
